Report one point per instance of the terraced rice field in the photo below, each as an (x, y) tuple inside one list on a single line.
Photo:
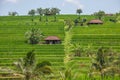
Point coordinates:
[(106, 35), (13, 46)]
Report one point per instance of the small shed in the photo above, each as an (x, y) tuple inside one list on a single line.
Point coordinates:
[(95, 21), (52, 40)]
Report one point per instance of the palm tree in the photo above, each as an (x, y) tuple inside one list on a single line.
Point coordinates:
[(77, 49), (79, 11), (40, 12), (105, 63), (69, 74), (46, 13), (32, 13), (28, 66), (55, 11)]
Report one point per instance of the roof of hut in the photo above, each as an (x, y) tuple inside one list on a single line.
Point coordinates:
[(95, 21), (52, 38)]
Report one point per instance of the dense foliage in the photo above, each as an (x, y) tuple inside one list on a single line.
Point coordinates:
[(33, 36)]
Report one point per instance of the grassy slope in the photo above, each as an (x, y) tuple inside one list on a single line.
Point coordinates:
[(12, 46), (12, 40), (106, 35)]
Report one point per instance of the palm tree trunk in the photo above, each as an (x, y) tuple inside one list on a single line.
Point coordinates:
[(32, 18), (79, 16), (46, 18), (40, 18), (55, 18), (27, 76)]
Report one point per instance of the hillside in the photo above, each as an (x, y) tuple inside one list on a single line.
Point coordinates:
[(13, 46)]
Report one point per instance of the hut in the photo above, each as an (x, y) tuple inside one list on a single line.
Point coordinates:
[(52, 40), (95, 21)]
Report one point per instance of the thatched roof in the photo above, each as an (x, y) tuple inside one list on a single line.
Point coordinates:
[(52, 38), (95, 21)]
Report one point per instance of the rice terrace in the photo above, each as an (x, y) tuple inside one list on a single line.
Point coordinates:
[(59, 40)]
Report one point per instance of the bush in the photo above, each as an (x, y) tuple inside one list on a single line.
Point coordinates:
[(33, 36)]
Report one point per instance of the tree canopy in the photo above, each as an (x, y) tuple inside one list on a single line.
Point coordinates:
[(100, 14), (33, 36), (31, 12)]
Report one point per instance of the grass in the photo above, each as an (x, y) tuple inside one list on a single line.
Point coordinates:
[(13, 46)]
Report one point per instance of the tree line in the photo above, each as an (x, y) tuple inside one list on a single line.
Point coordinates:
[(46, 12)]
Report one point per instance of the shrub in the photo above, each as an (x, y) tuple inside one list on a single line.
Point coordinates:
[(33, 36)]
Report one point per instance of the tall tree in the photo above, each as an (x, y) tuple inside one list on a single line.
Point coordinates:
[(46, 13), (79, 11), (32, 13), (99, 14), (55, 11), (40, 12)]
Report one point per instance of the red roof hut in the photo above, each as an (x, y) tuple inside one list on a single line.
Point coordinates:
[(52, 40), (95, 21)]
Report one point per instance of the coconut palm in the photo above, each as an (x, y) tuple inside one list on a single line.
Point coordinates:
[(69, 73), (79, 11), (77, 49), (105, 63), (28, 67), (40, 12), (55, 11)]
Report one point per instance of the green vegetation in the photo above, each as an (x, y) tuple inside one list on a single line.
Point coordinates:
[(79, 11), (33, 36), (12, 13), (72, 59), (29, 67), (99, 14)]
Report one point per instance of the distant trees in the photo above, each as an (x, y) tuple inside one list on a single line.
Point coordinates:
[(12, 13), (46, 12), (40, 12), (52, 11), (79, 11), (99, 14), (32, 13), (33, 36), (55, 11)]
